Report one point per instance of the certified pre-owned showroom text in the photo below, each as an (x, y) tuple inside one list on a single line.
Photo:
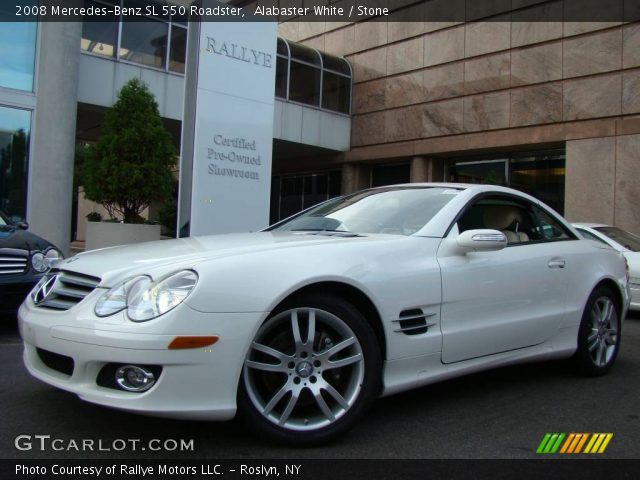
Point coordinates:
[(47, 443)]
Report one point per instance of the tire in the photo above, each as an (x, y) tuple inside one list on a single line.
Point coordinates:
[(307, 390), (599, 334)]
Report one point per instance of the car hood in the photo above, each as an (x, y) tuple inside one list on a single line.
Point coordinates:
[(13, 237), (114, 264)]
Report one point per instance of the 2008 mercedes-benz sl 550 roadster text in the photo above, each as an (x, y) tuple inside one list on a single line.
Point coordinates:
[(301, 326)]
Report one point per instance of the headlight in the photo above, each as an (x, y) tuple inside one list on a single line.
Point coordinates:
[(53, 257), (145, 299), (39, 263), (115, 300)]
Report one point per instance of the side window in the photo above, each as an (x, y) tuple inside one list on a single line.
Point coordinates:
[(591, 236), (550, 228), (513, 217)]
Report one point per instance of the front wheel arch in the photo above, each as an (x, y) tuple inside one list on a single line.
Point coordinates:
[(353, 295)]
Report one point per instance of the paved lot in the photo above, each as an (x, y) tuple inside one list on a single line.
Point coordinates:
[(499, 414)]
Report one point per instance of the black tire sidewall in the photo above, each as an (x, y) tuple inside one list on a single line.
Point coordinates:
[(370, 385), (582, 358)]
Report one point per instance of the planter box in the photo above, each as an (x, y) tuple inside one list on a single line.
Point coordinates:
[(107, 234)]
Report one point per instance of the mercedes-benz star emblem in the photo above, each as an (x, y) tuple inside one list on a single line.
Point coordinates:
[(304, 369), (45, 289)]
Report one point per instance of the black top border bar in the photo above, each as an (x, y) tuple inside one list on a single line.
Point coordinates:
[(322, 10)]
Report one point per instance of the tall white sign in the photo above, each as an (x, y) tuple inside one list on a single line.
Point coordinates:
[(226, 159)]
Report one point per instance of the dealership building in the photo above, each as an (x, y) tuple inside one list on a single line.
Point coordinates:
[(549, 107)]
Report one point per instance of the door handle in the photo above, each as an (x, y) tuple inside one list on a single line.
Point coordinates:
[(556, 263)]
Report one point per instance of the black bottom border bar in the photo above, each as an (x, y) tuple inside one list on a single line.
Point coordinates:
[(330, 469)]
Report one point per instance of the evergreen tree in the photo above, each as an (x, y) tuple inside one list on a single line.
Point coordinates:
[(131, 164)]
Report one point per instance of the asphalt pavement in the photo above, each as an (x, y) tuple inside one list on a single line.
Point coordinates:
[(502, 413)]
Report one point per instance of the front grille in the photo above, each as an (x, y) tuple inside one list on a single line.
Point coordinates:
[(12, 264), (57, 362), (69, 289)]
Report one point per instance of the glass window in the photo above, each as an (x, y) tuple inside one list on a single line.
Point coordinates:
[(541, 175), (521, 221), (178, 52), (491, 172), (99, 38), (282, 71), (550, 228), (390, 175), (304, 84), (17, 50), (316, 189), (626, 239), (336, 64), (511, 216), (395, 211), (591, 236), (291, 196), (144, 42), (304, 53), (15, 128), (336, 92), (282, 48)]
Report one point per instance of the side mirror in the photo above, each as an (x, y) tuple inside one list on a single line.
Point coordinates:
[(22, 225), (481, 240)]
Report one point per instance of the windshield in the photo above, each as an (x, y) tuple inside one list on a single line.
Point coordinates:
[(626, 239), (396, 211)]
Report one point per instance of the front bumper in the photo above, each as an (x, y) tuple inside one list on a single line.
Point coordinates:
[(196, 383)]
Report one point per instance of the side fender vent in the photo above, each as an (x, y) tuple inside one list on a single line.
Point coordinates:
[(413, 322)]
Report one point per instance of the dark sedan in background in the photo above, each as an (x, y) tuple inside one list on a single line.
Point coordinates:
[(24, 257)]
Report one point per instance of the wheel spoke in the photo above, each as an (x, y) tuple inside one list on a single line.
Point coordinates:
[(336, 395), (607, 312), (311, 333), (594, 335), (275, 399), (338, 348), (295, 328), (290, 406), (343, 362), (596, 314), (594, 344), (602, 351), (266, 367), (271, 351), (323, 405)]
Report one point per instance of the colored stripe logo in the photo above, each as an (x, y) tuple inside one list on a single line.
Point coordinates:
[(574, 443)]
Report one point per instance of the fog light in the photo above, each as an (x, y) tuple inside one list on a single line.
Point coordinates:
[(134, 379)]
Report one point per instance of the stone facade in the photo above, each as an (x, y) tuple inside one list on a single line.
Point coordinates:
[(431, 90)]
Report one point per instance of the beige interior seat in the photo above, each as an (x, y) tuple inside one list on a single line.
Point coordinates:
[(507, 219)]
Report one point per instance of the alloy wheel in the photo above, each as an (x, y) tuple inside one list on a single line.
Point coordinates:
[(304, 369), (603, 337)]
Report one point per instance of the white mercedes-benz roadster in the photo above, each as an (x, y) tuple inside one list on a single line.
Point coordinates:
[(301, 326)]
